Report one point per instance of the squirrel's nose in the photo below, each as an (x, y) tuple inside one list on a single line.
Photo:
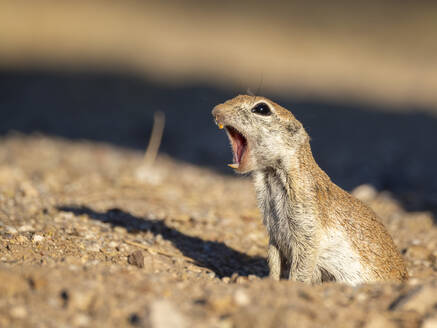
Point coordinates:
[(217, 113)]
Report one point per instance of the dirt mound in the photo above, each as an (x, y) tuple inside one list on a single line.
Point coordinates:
[(91, 237)]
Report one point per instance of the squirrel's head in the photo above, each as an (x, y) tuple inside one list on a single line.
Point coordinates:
[(262, 133)]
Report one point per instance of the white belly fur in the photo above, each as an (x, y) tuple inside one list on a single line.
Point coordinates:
[(338, 257)]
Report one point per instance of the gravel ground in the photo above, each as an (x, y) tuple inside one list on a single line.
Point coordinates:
[(90, 237)]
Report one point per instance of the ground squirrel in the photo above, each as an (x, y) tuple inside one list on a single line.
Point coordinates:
[(318, 232)]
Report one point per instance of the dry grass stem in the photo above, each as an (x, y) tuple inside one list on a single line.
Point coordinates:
[(155, 139)]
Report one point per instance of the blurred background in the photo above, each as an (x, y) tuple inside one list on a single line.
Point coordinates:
[(361, 76)]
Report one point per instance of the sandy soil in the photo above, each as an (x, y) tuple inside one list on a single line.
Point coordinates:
[(90, 237)]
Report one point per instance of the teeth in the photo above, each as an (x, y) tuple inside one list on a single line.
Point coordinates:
[(219, 124), (234, 166)]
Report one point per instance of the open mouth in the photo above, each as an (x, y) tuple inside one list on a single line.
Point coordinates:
[(239, 146)]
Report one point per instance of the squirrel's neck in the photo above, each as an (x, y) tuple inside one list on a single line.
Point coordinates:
[(288, 194), (303, 174), (300, 178)]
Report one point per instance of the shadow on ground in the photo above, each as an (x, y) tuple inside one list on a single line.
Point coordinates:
[(355, 144), (216, 256)]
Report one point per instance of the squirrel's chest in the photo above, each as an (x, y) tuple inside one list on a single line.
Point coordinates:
[(280, 215)]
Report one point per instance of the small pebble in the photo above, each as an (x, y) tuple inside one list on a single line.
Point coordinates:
[(93, 247), (81, 320), (82, 299), (136, 258), (11, 230), (430, 322), (37, 238), (18, 312), (113, 244), (379, 321), (361, 297), (241, 297), (134, 319), (26, 228), (65, 297), (234, 277), (21, 239), (164, 314), (365, 192), (89, 235), (120, 230), (222, 303), (419, 252), (241, 279), (420, 300), (252, 277)]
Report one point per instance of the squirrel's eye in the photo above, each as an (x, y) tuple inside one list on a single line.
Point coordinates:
[(262, 109)]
